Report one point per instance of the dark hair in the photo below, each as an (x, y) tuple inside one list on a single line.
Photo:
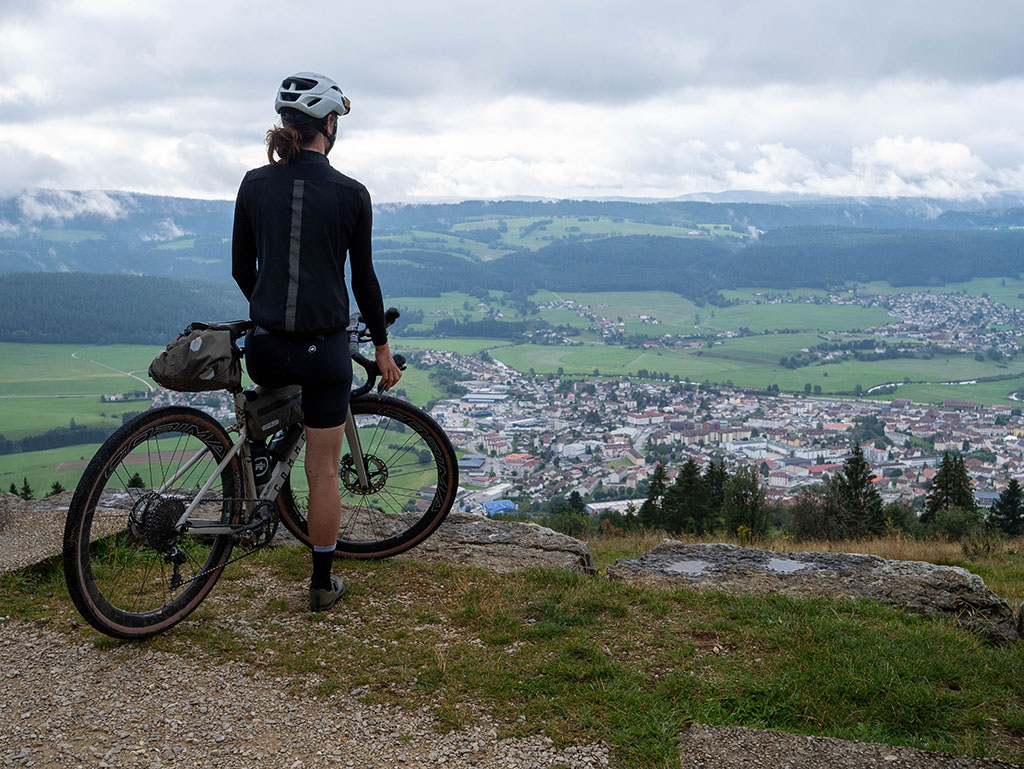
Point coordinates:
[(287, 141)]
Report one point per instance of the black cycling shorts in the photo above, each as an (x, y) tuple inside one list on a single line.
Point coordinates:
[(320, 364)]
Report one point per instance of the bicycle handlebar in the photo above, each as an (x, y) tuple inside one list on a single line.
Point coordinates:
[(357, 335)]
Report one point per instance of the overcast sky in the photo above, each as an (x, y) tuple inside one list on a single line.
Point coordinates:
[(544, 99)]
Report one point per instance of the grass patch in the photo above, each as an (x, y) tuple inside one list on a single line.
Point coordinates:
[(583, 659)]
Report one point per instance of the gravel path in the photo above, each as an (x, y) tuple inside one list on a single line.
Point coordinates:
[(67, 703)]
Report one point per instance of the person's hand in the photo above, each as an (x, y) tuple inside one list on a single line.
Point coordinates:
[(389, 371)]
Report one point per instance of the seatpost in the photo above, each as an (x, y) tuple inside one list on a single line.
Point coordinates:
[(246, 458)]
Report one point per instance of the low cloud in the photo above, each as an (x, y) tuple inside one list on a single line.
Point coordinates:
[(166, 229), (38, 206)]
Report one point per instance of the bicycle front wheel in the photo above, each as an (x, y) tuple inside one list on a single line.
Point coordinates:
[(413, 474), (129, 572)]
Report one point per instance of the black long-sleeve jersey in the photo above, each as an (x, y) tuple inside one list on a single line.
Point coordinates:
[(293, 225)]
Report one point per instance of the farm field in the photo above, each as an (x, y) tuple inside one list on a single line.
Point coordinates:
[(755, 294), (421, 240), (454, 344), (675, 314), (512, 233), (43, 386), (41, 467), (989, 393)]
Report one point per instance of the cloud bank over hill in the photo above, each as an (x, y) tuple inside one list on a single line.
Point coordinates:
[(573, 99)]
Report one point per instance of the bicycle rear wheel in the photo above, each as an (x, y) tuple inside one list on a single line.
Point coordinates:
[(129, 573), (414, 479)]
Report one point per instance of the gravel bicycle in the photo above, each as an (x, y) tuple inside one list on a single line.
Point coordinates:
[(167, 497)]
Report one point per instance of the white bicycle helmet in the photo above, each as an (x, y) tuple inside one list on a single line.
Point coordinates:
[(310, 94)]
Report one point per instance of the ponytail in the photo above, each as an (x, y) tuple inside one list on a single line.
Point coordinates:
[(287, 141)]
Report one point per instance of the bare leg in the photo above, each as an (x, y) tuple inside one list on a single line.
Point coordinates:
[(323, 455)]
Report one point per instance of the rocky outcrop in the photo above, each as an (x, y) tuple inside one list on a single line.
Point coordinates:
[(919, 587), (33, 531), (503, 546)]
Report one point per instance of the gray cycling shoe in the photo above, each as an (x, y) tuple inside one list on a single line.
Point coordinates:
[(323, 599)]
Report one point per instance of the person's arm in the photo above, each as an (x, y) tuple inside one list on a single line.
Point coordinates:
[(366, 290), (365, 287), (243, 249)]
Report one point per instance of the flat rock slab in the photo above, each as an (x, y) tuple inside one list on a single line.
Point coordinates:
[(729, 747), (503, 546), (919, 587)]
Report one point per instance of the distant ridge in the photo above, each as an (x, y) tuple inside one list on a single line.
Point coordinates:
[(696, 248)]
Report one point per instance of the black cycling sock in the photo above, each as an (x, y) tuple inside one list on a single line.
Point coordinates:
[(322, 569)]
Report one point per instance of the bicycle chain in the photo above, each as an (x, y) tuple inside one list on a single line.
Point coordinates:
[(251, 551)]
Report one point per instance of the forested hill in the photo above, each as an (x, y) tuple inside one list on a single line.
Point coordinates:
[(107, 309), (825, 256)]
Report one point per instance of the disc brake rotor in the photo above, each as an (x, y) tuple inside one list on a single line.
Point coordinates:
[(376, 474)]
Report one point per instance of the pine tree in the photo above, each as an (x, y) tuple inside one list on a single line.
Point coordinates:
[(714, 481), (56, 488), (686, 503), (939, 494), (962, 493), (1007, 513), (26, 490), (136, 482), (858, 505), (951, 487), (651, 514), (14, 489)]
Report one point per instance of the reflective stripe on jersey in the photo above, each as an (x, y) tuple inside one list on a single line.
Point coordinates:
[(294, 252)]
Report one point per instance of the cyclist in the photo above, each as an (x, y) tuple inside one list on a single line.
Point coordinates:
[(294, 221)]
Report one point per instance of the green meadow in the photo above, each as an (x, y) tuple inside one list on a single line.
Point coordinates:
[(43, 386), (42, 468)]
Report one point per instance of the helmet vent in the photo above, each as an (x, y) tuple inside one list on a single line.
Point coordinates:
[(298, 84)]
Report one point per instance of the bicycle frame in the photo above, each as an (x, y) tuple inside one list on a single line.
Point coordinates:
[(271, 489)]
